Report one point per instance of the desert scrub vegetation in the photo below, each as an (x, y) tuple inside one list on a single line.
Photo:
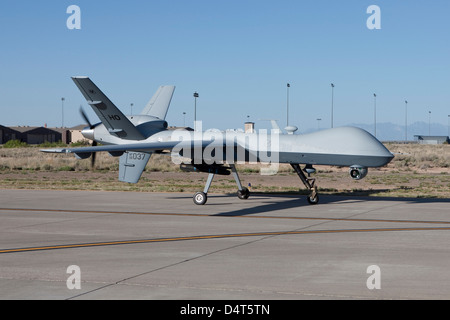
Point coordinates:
[(420, 156), (30, 158), (18, 156), (416, 171), (15, 144)]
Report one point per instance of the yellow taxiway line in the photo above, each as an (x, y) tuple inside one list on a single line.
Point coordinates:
[(219, 236)]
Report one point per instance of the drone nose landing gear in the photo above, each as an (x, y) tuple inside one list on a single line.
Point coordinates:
[(200, 198), (309, 183)]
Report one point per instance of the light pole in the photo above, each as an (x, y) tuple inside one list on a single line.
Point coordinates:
[(287, 105), (375, 114), (195, 110), (62, 112), (406, 120), (318, 123), (184, 119), (429, 123), (131, 108), (332, 102), (449, 126)]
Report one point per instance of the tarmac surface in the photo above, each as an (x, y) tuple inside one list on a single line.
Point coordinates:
[(127, 245)]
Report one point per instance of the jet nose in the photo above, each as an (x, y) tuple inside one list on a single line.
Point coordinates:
[(88, 133)]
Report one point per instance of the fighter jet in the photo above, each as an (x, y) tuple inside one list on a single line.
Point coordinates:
[(135, 138)]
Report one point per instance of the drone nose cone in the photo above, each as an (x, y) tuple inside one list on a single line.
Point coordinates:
[(88, 133)]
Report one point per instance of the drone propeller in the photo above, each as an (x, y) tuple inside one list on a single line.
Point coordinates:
[(94, 143), (85, 117)]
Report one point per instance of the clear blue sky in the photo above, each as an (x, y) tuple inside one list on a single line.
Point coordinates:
[(238, 55)]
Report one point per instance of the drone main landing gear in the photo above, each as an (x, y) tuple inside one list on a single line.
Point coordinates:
[(309, 183), (201, 197)]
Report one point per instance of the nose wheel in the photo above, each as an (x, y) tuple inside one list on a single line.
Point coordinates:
[(243, 193), (310, 183), (313, 198)]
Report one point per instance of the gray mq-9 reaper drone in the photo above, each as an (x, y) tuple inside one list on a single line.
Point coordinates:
[(135, 138)]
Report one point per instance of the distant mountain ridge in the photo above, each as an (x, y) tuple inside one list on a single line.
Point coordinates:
[(388, 131)]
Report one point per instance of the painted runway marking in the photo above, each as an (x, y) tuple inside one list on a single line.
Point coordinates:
[(224, 215), (219, 236)]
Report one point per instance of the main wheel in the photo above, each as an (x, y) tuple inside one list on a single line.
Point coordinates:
[(243, 194), (313, 199), (200, 198)]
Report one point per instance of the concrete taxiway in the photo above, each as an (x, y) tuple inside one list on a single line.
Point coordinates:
[(162, 246)]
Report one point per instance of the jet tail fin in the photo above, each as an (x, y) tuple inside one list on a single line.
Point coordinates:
[(159, 103), (275, 126)]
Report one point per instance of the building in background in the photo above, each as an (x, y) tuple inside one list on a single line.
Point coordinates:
[(39, 135), (7, 134), (432, 139), (75, 134), (249, 127)]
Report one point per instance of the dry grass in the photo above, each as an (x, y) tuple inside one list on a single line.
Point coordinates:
[(416, 171), (421, 157)]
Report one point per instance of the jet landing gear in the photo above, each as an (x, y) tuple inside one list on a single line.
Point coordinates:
[(200, 198), (309, 183)]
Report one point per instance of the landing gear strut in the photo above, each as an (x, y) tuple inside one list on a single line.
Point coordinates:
[(242, 193), (309, 183)]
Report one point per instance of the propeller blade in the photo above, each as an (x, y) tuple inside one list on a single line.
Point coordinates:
[(94, 144), (93, 160), (85, 117)]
